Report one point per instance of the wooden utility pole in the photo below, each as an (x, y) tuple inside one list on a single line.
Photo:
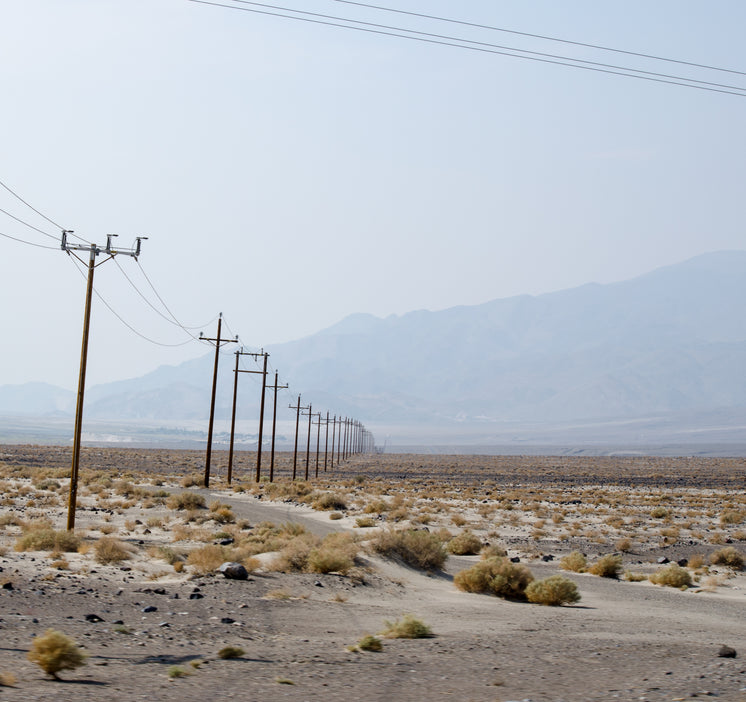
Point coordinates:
[(261, 410), (218, 341), (308, 439), (326, 440), (297, 409), (274, 425), (334, 430), (318, 437), (93, 251)]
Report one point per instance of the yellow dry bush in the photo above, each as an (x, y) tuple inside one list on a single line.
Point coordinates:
[(335, 554), (496, 576), (206, 559), (53, 652), (465, 544), (420, 549), (408, 627), (672, 575), (111, 550), (608, 566), (574, 562), (554, 591)]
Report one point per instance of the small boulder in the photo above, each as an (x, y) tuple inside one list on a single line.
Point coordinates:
[(727, 652), (234, 571)]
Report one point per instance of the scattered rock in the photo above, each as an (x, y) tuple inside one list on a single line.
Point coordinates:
[(8, 585), (547, 558), (93, 618), (227, 620), (515, 559), (226, 542), (727, 652), (318, 583), (149, 608), (234, 571), (195, 596), (663, 560)]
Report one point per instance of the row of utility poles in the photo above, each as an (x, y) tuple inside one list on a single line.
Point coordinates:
[(350, 435), (356, 437)]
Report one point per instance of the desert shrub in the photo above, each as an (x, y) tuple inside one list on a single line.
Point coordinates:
[(7, 679), (465, 544), (206, 559), (335, 554), (223, 515), (497, 576), (45, 538), (368, 643), (493, 551), (728, 556), (329, 501), (659, 512), (696, 561), (632, 577), (376, 507), (672, 575), (192, 481), (732, 516), (408, 627), (554, 591), (186, 500), (294, 555), (608, 566), (229, 652), (458, 520), (53, 652), (574, 562), (420, 549), (365, 522), (335, 515), (111, 550), (47, 484), (624, 544)]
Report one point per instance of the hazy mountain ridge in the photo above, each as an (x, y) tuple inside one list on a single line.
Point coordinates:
[(666, 341)]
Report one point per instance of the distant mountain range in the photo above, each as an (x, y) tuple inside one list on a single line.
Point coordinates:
[(671, 341)]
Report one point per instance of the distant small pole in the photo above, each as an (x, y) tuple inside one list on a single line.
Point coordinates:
[(308, 439), (326, 440), (318, 437), (233, 418), (274, 426), (334, 430)]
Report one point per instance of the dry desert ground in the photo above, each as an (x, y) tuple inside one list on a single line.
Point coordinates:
[(440, 548)]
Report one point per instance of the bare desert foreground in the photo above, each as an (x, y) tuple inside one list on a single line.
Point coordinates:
[(136, 587)]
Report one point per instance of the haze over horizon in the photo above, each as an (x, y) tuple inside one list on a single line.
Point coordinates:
[(291, 174)]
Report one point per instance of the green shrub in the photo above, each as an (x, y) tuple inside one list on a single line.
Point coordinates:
[(728, 556), (53, 652), (672, 575), (574, 562), (408, 627), (465, 544), (608, 566), (554, 591), (496, 576), (419, 549), (368, 643)]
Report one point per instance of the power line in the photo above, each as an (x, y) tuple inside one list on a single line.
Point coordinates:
[(544, 37), (30, 243), (494, 46), (123, 321), (689, 84), (30, 226), (166, 307)]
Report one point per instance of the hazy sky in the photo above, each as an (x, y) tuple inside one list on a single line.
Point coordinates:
[(289, 174)]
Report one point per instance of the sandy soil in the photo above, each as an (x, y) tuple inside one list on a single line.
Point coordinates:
[(623, 641)]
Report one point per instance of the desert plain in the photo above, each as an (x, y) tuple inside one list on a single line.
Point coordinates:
[(135, 584)]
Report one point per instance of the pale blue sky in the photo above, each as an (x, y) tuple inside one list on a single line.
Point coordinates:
[(290, 174)]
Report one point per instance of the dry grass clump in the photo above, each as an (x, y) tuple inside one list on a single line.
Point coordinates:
[(465, 544), (42, 537), (732, 516), (221, 513), (419, 549), (229, 652), (608, 566), (206, 558), (672, 575), (574, 562), (408, 627), (328, 501), (185, 500), (496, 576), (367, 643), (294, 555), (365, 522), (111, 550), (728, 556), (7, 679), (492, 551), (192, 481), (53, 652), (335, 554), (553, 591)]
